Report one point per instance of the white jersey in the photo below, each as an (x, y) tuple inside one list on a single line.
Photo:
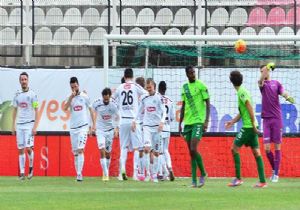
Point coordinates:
[(127, 95), (170, 113), (154, 111), (79, 111), (105, 114), (140, 116), (26, 102)]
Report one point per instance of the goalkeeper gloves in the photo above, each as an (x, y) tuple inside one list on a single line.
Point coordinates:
[(290, 99), (271, 66)]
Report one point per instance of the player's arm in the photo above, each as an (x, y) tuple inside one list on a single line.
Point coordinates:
[(116, 122), (69, 100), (164, 115), (15, 109), (171, 112), (288, 97), (207, 101), (252, 117), (140, 110), (262, 77), (35, 106), (181, 117), (230, 123)]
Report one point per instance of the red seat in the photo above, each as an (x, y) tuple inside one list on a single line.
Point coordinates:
[(275, 2), (257, 16), (276, 16), (291, 15)]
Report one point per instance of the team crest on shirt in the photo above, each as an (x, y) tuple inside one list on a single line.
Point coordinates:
[(106, 117), (127, 86), (151, 109), (23, 105), (77, 108)]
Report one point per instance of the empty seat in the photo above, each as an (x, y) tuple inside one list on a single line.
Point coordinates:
[(96, 37), (72, 17), (276, 16), (104, 18), (43, 36), (155, 31), (286, 31), (229, 31), (80, 36), (26, 30), (145, 17), (219, 17), (291, 16), (62, 36), (248, 31), (117, 31), (190, 31), (164, 17), (267, 31), (212, 31), (173, 31), (136, 31), (7, 36), (274, 2), (10, 2), (257, 16), (54, 16), (200, 17), (39, 16), (3, 17), (128, 17), (238, 16), (183, 17), (15, 17), (91, 17)]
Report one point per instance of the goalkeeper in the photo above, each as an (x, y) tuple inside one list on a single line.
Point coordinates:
[(272, 117)]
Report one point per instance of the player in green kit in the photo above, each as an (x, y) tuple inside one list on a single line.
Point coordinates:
[(248, 135), (195, 114)]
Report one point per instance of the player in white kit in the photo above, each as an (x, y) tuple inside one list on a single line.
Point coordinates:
[(153, 122), (127, 96), (79, 104), (25, 111), (165, 163), (106, 115)]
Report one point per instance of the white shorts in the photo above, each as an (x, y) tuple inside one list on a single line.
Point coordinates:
[(152, 139), (128, 138), (78, 138), (24, 136), (165, 144), (105, 139)]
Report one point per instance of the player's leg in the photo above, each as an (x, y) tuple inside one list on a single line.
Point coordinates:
[(108, 148), (101, 145), (187, 134), (161, 162), (167, 157), (267, 145), (29, 148), (125, 130), (276, 138), (147, 150), (136, 143), (82, 137), (74, 145), (235, 150), (156, 144), (253, 142), (21, 150)]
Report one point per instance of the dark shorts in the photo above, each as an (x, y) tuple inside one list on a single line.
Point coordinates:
[(194, 131), (272, 130), (247, 137)]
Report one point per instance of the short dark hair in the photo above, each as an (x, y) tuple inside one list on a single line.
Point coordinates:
[(128, 73), (74, 80), (262, 66), (150, 80), (236, 78), (162, 87), (122, 80), (106, 91), (140, 81), (187, 68), (23, 74)]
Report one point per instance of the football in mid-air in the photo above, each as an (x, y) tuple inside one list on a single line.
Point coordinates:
[(240, 46)]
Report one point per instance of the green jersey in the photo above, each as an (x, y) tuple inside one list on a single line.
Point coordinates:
[(243, 96), (194, 95)]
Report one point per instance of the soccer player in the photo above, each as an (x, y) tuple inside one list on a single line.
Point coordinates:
[(248, 135), (195, 113), (106, 115), (127, 96), (165, 158), (271, 115), (79, 104), (25, 105), (153, 122)]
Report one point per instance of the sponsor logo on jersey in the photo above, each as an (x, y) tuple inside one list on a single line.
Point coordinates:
[(106, 117), (77, 108), (23, 105), (151, 109), (127, 86)]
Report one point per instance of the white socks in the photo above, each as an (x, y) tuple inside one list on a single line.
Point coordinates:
[(168, 158), (22, 159), (104, 166), (136, 158), (80, 162), (123, 158), (30, 157), (147, 163)]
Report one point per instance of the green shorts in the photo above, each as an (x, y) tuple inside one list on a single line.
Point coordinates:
[(194, 131), (247, 137)]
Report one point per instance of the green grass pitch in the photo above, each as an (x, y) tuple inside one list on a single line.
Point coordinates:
[(65, 193)]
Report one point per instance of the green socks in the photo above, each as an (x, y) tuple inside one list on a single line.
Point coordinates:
[(237, 164), (260, 169), (194, 170), (200, 164)]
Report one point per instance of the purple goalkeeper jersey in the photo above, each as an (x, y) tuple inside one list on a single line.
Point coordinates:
[(270, 99)]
